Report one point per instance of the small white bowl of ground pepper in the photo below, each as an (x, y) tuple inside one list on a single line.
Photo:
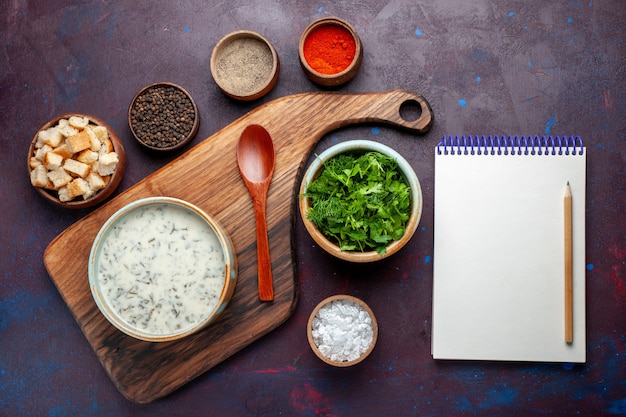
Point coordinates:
[(163, 117), (245, 65)]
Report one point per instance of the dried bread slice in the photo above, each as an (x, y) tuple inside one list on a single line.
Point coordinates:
[(78, 142), (51, 136), (34, 162), (39, 176), (76, 167), (59, 178), (79, 122), (96, 182), (76, 188), (107, 146), (63, 151), (93, 138), (66, 129), (101, 132), (87, 156), (52, 160), (40, 153), (106, 164)]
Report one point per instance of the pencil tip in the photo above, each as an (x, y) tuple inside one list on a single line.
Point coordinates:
[(568, 183)]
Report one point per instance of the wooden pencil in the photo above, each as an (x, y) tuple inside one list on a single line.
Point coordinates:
[(569, 307)]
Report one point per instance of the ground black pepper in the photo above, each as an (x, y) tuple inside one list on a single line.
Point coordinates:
[(162, 116), (244, 66)]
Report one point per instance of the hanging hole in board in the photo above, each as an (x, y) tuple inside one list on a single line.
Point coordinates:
[(410, 111)]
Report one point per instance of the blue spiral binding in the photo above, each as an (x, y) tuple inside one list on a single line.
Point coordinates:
[(510, 145)]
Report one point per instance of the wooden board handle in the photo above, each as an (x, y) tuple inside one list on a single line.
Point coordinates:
[(328, 111), (388, 108)]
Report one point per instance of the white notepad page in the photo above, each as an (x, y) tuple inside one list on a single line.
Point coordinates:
[(498, 289)]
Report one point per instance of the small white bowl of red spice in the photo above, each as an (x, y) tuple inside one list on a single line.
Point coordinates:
[(330, 51), (360, 201)]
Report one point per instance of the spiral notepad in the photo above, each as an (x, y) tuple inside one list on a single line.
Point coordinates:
[(499, 285)]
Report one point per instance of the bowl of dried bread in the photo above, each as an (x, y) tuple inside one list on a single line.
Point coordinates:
[(76, 161)]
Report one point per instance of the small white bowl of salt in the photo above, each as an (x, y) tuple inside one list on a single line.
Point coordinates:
[(342, 330)]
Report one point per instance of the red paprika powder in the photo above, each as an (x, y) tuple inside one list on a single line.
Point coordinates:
[(329, 49)]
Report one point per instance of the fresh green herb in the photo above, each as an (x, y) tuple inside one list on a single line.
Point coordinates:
[(360, 201)]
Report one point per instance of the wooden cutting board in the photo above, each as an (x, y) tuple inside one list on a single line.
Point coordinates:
[(207, 176)]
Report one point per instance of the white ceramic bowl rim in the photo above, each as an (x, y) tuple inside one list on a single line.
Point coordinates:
[(114, 319), (357, 145)]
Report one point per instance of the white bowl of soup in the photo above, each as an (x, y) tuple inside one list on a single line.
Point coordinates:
[(161, 269)]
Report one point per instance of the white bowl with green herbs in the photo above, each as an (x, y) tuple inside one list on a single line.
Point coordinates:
[(360, 201)]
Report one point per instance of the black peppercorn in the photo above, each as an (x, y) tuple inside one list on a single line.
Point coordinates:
[(163, 116)]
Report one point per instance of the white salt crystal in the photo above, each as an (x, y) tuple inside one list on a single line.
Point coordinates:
[(342, 330)]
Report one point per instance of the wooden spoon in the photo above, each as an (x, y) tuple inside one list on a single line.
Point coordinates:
[(255, 158)]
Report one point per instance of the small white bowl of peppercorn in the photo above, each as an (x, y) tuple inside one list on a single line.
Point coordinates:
[(163, 117), (360, 201)]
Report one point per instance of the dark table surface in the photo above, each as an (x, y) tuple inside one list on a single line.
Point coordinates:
[(509, 67)]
